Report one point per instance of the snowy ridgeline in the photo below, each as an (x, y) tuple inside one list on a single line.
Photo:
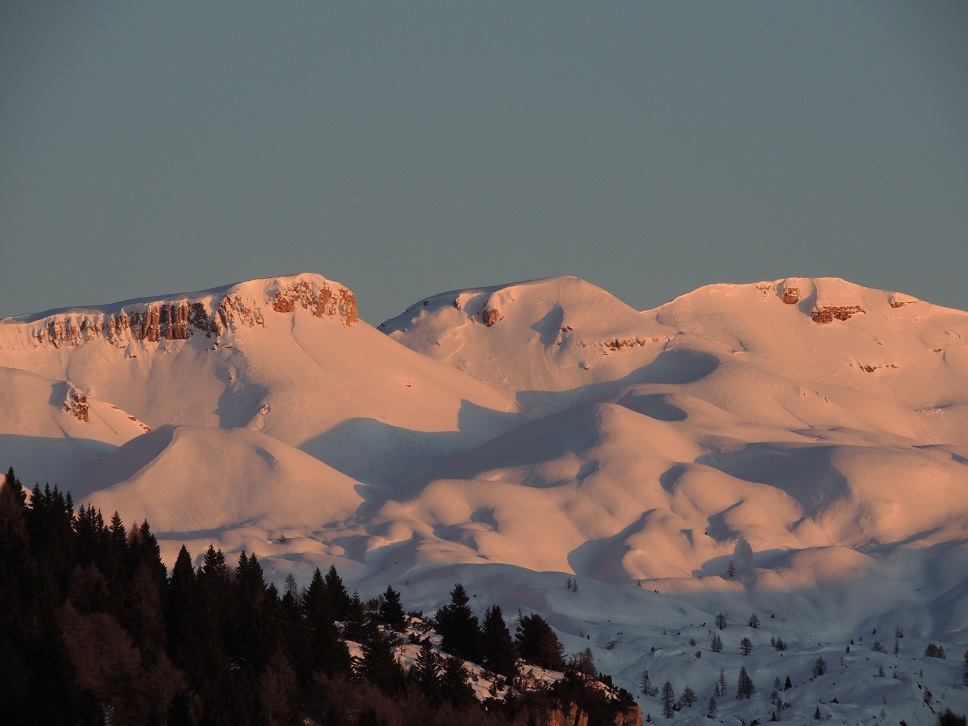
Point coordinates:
[(796, 448)]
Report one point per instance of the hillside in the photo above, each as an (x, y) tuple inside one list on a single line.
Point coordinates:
[(788, 447)]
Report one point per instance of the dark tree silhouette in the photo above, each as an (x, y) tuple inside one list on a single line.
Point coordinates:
[(498, 652), (538, 644), (457, 626)]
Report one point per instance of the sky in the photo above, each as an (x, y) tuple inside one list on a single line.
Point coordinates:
[(406, 149)]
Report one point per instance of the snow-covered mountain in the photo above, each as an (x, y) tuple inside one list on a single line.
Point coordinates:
[(796, 447)]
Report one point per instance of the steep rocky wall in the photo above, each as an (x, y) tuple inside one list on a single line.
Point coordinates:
[(154, 322)]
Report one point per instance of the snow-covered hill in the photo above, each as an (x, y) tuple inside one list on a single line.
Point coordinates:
[(796, 447)]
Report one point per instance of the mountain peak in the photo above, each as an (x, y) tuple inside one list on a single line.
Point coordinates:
[(179, 316)]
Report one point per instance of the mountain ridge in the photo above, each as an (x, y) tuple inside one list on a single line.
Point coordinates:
[(731, 449)]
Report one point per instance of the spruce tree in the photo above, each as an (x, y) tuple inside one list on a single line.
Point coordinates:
[(457, 626), (336, 593), (391, 611), (538, 644), (455, 684), (744, 685), (378, 664), (425, 673), (668, 700), (498, 652)]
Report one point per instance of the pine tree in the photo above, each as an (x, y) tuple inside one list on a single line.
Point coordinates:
[(582, 662), (711, 707), (391, 611), (744, 685), (746, 646), (753, 622), (458, 627), (538, 644), (717, 643), (498, 652), (378, 664), (668, 700), (425, 673), (314, 599), (355, 620), (721, 621), (721, 683), (646, 686), (819, 667), (455, 684), (687, 698), (335, 594)]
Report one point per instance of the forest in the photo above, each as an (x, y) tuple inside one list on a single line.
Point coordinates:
[(94, 629)]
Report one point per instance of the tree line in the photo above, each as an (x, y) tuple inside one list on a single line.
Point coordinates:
[(94, 629)]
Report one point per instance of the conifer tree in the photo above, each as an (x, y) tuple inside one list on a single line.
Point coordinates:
[(425, 673), (391, 611), (355, 621), (458, 627), (687, 698), (538, 644), (668, 700), (314, 598), (454, 682), (336, 593), (378, 664), (498, 652), (646, 686), (744, 685)]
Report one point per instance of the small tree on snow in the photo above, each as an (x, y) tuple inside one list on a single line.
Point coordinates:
[(819, 667), (744, 685), (720, 689), (721, 621), (668, 700), (746, 646), (687, 698), (645, 685)]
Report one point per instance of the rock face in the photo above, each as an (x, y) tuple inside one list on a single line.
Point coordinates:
[(207, 314), (489, 316), (791, 295), (829, 313), (321, 302), (76, 404)]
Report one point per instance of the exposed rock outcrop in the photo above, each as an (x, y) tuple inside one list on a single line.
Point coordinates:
[(208, 314), (828, 313), (490, 315), (791, 295), (76, 404), (321, 302)]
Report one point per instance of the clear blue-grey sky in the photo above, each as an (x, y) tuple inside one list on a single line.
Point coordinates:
[(408, 148)]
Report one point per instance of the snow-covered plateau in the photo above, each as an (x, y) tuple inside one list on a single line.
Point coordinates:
[(795, 449)]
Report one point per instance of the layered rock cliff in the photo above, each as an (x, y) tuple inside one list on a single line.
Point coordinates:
[(206, 313)]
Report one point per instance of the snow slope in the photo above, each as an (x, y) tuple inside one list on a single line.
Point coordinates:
[(796, 447)]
